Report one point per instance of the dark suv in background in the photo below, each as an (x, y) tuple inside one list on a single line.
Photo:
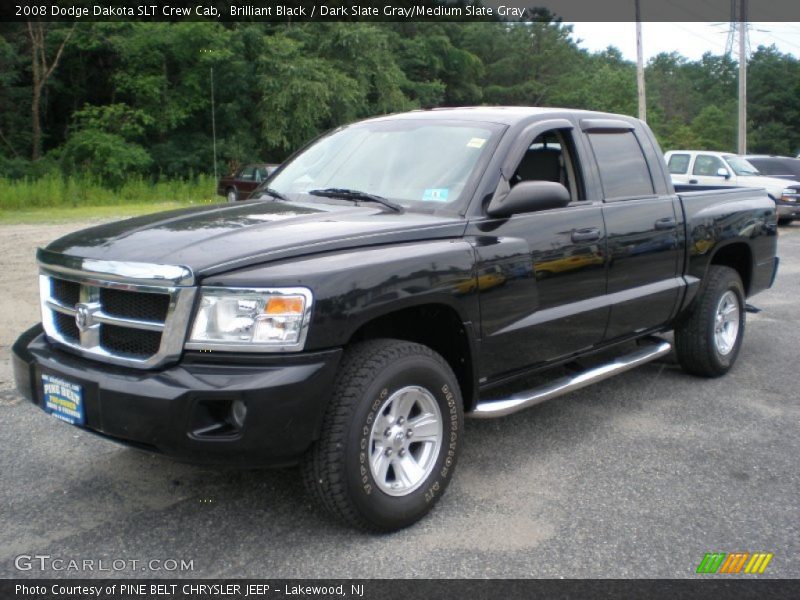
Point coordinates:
[(783, 167)]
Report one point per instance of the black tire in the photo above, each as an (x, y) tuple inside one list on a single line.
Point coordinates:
[(785, 221), (696, 347), (337, 471), (231, 195)]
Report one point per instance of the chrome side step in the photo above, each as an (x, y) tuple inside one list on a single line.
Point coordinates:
[(491, 409)]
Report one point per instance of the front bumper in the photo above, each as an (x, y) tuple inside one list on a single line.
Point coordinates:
[(788, 210), (286, 397)]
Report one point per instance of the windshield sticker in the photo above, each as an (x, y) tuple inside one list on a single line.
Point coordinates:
[(476, 143), (435, 195)]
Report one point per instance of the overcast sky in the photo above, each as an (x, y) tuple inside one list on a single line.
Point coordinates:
[(689, 39)]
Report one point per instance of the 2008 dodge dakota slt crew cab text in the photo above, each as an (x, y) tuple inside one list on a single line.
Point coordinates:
[(394, 274)]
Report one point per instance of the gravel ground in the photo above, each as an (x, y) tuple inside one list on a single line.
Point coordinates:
[(638, 476)]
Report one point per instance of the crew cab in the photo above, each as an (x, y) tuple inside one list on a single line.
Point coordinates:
[(399, 274), (712, 170)]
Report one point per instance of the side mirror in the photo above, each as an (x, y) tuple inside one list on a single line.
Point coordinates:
[(529, 196), (723, 172)]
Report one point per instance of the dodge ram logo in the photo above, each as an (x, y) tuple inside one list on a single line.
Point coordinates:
[(84, 316)]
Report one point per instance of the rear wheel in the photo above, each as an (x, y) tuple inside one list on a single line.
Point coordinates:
[(708, 339), (390, 438), (231, 195)]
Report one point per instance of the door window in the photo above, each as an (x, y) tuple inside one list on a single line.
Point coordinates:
[(248, 173), (549, 158), (623, 167), (707, 165), (679, 164)]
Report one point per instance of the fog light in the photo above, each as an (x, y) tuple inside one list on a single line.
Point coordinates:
[(238, 413)]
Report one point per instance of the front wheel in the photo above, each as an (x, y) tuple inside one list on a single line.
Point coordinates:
[(708, 339), (785, 221), (390, 438)]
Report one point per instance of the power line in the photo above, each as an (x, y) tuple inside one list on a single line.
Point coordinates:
[(785, 41), (698, 36)]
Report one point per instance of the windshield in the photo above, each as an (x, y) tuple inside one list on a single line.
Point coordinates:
[(740, 166), (416, 163)]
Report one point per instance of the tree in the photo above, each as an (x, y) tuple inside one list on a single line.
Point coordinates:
[(117, 97), (301, 94), (104, 144), (714, 130), (41, 70), (773, 107)]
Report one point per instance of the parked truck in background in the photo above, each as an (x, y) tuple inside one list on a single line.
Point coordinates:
[(398, 274), (712, 170)]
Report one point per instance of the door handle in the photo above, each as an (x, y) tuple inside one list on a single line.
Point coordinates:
[(590, 234), (693, 181), (666, 223)]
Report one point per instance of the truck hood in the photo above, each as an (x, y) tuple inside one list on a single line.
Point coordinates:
[(214, 239), (773, 185)]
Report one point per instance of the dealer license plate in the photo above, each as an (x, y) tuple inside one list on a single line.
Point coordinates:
[(63, 399)]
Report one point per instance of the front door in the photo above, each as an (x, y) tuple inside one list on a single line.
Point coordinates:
[(542, 276), (707, 169)]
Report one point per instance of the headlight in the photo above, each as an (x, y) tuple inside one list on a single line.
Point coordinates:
[(790, 194), (251, 320)]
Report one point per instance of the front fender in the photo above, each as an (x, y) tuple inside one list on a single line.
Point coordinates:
[(353, 287)]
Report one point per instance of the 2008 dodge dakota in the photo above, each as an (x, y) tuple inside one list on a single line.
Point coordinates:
[(395, 272)]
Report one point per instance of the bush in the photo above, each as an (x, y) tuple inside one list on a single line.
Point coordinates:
[(107, 155)]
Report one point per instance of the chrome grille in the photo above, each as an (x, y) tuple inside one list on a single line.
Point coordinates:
[(120, 320), (66, 292), (133, 305), (65, 325), (128, 341)]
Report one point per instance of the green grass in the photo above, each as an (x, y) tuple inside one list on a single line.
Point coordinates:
[(55, 191), (53, 199)]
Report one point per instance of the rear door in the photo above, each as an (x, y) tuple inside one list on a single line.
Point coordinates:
[(678, 164), (642, 219)]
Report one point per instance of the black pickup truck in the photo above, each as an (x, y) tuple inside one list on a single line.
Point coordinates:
[(396, 275)]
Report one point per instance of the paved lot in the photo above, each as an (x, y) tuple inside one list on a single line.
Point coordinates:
[(636, 477)]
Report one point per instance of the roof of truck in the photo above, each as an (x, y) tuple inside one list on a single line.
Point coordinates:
[(507, 115)]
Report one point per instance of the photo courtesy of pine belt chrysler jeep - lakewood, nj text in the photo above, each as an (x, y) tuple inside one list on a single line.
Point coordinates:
[(389, 279)]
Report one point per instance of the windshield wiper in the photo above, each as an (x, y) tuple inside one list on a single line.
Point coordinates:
[(356, 195), (274, 193)]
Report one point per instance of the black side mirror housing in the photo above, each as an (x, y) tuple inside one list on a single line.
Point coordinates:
[(529, 196)]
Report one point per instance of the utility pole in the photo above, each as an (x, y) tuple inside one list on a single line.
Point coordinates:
[(213, 126), (640, 67), (742, 145)]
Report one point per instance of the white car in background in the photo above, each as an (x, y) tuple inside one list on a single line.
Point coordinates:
[(723, 169)]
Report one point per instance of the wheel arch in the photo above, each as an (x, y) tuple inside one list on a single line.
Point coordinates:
[(437, 326), (737, 255)]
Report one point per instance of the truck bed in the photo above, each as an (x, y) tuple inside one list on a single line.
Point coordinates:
[(719, 216)]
